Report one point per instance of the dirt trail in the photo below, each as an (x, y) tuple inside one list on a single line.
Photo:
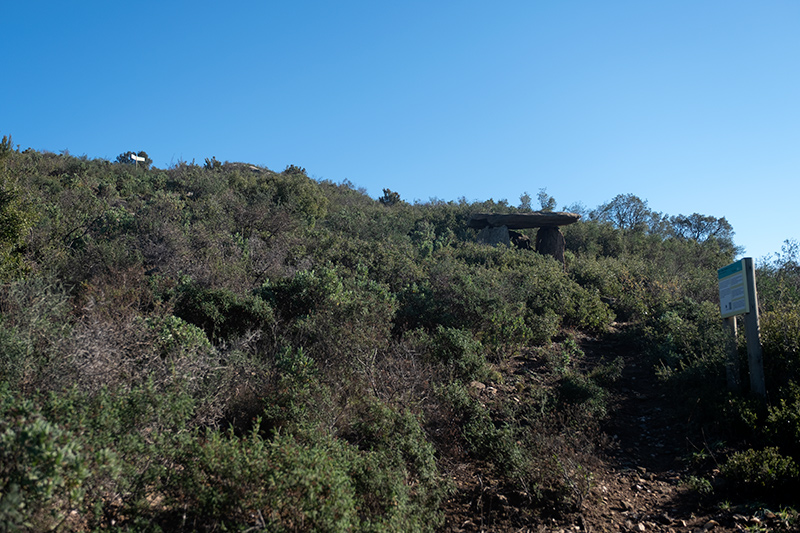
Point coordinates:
[(641, 480), (641, 484)]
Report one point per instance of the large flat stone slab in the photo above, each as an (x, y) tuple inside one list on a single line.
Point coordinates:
[(536, 219)]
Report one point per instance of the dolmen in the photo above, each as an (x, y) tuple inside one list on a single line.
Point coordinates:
[(497, 229)]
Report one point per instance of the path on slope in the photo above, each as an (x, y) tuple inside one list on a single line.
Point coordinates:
[(641, 483), (641, 480)]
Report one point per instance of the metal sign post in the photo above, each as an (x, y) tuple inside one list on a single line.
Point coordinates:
[(737, 295)]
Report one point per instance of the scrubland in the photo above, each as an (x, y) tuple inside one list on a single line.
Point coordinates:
[(224, 347)]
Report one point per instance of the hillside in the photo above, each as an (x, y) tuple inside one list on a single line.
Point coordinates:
[(225, 347)]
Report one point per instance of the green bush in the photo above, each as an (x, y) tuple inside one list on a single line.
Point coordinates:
[(507, 298), (761, 471), (782, 426), (398, 479), (17, 216), (128, 438), (177, 338), (279, 485), (221, 313), (483, 438), (687, 341), (305, 292), (543, 327), (459, 349), (780, 340), (42, 468), (311, 482), (580, 389), (300, 400), (332, 313)]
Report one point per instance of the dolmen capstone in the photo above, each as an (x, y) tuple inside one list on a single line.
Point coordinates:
[(549, 239)]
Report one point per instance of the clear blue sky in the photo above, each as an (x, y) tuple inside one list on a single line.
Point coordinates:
[(693, 106)]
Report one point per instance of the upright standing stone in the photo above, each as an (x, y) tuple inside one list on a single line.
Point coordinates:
[(550, 241), (494, 236)]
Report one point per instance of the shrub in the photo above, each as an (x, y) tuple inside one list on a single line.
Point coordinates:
[(278, 485), (305, 292), (483, 438), (780, 339), (177, 338), (221, 313), (459, 349), (332, 313), (782, 426), (399, 469), (543, 327), (311, 481), (687, 340), (300, 400), (33, 325), (507, 298), (128, 437), (6, 147), (42, 469), (583, 390), (761, 471), (17, 216)]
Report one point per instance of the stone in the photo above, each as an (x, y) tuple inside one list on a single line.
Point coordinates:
[(550, 241), (664, 519), (494, 235), (535, 219), (519, 240)]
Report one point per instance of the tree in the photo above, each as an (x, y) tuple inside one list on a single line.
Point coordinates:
[(212, 164), (577, 207), (389, 198), (525, 202), (547, 202), (625, 211), (125, 159), (295, 170), (700, 228), (5, 147)]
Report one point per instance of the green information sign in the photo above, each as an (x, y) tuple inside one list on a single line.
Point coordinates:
[(733, 298)]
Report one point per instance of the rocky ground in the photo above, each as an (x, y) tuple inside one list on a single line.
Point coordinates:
[(641, 479)]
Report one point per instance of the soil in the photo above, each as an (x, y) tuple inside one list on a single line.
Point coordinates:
[(642, 479)]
